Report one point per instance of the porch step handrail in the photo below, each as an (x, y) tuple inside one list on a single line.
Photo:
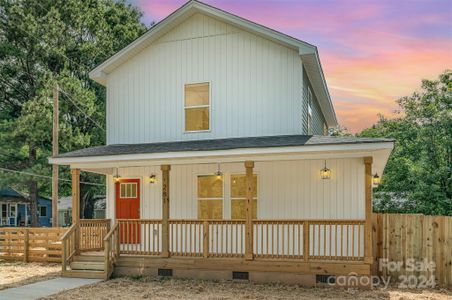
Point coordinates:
[(70, 246), (111, 249), (92, 233)]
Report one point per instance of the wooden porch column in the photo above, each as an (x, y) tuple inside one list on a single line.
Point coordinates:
[(76, 205), (368, 225), (249, 165), (165, 209)]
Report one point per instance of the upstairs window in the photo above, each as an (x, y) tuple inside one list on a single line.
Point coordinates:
[(309, 111), (210, 197), (197, 107)]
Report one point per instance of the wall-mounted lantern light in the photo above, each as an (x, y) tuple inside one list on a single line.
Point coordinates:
[(116, 177), (152, 179), (218, 173), (325, 173), (376, 180)]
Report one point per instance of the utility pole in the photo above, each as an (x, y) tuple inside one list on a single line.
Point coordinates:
[(55, 150)]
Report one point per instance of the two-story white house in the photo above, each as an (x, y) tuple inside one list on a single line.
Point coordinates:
[(218, 160)]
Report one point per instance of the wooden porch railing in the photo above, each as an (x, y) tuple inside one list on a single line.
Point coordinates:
[(92, 233), (111, 249), (310, 240), (141, 237), (69, 241)]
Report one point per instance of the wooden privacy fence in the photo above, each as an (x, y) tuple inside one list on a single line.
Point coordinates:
[(31, 244), (409, 239)]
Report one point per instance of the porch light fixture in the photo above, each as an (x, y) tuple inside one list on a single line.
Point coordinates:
[(376, 180), (116, 177), (152, 179), (325, 173), (218, 173)]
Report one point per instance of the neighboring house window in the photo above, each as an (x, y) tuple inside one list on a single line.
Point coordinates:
[(128, 190), (12, 211), (42, 211), (309, 111), (4, 214), (238, 197), (210, 197), (197, 107)]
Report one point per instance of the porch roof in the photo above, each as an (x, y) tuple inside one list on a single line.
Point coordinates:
[(220, 144)]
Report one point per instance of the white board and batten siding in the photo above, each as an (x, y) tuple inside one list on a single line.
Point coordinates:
[(256, 85), (286, 190)]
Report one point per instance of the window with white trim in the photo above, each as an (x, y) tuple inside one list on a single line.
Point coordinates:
[(210, 197), (128, 190), (197, 106)]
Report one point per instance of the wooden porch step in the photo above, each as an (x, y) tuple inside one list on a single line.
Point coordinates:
[(91, 258), (84, 274), (87, 265)]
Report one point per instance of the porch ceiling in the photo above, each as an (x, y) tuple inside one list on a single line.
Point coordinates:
[(288, 147)]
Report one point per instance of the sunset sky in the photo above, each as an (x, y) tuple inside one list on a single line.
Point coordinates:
[(372, 52)]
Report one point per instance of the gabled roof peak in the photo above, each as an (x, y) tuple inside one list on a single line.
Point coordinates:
[(307, 51)]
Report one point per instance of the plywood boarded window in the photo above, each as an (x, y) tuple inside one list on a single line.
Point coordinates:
[(238, 197), (128, 190), (210, 197), (197, 107)]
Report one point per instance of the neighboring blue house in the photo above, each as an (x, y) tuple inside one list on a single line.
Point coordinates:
[(15, 209)]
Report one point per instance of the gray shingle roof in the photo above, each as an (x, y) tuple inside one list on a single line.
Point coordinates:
[(221, 144)]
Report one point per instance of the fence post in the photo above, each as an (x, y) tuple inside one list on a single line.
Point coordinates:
[(306, 241), (26, 246), (205, 242)]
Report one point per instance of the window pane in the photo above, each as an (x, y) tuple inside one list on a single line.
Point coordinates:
[(210, 186), (238, 209), (210, 209), (196, 119), (122, 190), (238, 186), (196, 94), (133, 188)]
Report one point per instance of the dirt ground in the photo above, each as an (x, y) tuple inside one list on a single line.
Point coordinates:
[(14, 274), (162, 288)]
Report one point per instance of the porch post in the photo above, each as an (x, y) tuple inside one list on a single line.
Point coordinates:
[(76, 205), (368, 198), (165, 209), (249, 165)]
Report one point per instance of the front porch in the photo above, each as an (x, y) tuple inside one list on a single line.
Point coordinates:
[(252, 213)]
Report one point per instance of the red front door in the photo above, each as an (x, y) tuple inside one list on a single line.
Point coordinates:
[(128, 207)]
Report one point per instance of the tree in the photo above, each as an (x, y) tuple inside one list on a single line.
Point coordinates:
[(47, 42), (419, 171)]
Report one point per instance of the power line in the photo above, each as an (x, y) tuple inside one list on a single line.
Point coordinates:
[(47, 177), (85, 114)]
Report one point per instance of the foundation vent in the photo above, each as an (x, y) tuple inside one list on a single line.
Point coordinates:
[(241, 275), (165, 272), (322, 278)]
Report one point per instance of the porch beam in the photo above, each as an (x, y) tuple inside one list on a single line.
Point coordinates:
[(249, 165), (76, 206), (368, 198), (165, 209)]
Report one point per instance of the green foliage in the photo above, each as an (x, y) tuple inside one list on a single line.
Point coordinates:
[(48, 42), (418, 176)]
